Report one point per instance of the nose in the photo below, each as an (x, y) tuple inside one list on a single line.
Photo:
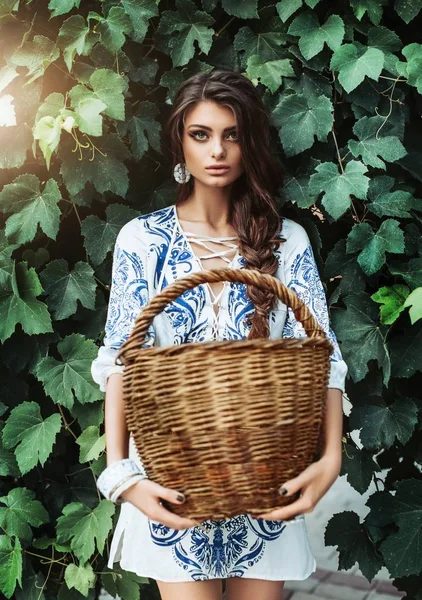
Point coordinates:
[(217, 148)]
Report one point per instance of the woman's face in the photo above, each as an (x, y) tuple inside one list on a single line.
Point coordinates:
[(210, 138)]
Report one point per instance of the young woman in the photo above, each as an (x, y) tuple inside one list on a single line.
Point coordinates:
[(224, 216)]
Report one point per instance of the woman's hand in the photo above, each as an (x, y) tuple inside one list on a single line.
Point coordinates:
[(314, 482), (147, 495)]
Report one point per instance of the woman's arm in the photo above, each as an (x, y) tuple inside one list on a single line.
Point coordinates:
[(332, 427), (117, 434)]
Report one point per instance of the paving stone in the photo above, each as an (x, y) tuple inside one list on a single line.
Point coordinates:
[(304, 585), (359, 583), (337, 592), (305, 596), (378, 596), (385, 587)]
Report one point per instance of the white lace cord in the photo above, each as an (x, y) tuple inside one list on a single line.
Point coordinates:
[(201, 241)]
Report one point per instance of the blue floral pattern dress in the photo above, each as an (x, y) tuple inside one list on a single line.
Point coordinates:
[(151, 252)]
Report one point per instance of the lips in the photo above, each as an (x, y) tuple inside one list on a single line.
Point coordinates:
[(217, 169)]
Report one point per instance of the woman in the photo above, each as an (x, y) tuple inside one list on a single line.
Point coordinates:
[(224, 216)]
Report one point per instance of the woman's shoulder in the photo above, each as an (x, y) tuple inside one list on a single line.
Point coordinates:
[(294, 233)]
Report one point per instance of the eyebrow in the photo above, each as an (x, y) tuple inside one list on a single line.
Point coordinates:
[(210, 128)]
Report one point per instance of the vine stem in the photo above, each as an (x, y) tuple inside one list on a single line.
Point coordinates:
[(224, 26), (66, 424), (46, 559), (340, 162)]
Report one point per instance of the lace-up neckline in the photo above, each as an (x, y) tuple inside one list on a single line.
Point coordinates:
[(202, 240)]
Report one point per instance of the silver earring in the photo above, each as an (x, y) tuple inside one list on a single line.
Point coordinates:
[(181, 173)]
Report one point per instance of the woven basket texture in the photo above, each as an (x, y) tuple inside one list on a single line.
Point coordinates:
[(226, 422)]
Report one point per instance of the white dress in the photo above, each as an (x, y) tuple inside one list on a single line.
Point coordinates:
[(151, 252)]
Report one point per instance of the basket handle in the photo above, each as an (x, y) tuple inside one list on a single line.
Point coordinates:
[(249, 276)]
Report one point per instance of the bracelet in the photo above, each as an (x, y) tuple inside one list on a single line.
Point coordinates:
[(118, 474), (115, 495)]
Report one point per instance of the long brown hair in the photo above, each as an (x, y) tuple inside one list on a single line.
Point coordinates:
[(252, 212)]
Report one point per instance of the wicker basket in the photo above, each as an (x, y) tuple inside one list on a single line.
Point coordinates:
[(226, 422)]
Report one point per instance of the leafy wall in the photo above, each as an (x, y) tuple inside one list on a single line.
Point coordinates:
[(84, 89)]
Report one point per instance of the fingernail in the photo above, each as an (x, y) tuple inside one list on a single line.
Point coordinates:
[(283, 491), (180, 498)]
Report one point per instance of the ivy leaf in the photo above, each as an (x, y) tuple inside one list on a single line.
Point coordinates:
[(100, 236), (388, 42), (113, 28), (62, 7), (313, 36), (106, 171), (32, 435), (353, 62), (139, 13), (191, 25), (266, 41), (414, 301), (21, 512), (126, 586), (144, 129), (286, 8), (75, 38), (36, 56), (91, 444), (381, 425), (373, 146), (361, 336), (71, 376), (392, 300), (18, 304), (374, 245), (372, 7), (385, 203), (410, 271), (80, 577), (359, 467), (339, 187), (86, 528), (354, 544), (31, 208), (300, 119), (247, 9), (270, 73), (407, 9), (339, 263), (295, 190), (401, 550), (10, 565), (406, 352), (109, 87), (412, 68), (65, 288)]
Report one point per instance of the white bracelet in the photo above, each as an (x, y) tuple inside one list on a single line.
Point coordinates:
[(118, 474), (115, 496)]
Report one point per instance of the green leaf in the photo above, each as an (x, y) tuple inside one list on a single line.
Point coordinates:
[(86, 528), (71, 376), (139, 13), (10, 565), (401, 550), (354, 544), (270, 73), (340, 264), (65, 288), (100, 236), (80, 577), (388, 42), (301, 119), (313, 36), (247, 9), (411, 271), (372, 7), (126, 586), (392, 300), (21, 513), (190, 25), (382, 425), (359, 467), (31, 208), (361, 336), (354, 62), (286, 8), (32, 435), (106, 171), (48, 131), (414, 301), (412, 68), (91, 444), (109, 87), (18, 304), (408, 9), (75, 38), (385, 203), (62, 7), (144, 129), (266, 41), (339, 187), (406, 352), (373, 146), (36, 56), (88, 111), (113, 28), (374, 245), (295, 190)]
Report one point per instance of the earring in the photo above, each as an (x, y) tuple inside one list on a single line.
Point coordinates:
[(181, 173)]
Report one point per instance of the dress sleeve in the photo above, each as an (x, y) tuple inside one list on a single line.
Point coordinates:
[(302, 277), (128, 294)]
